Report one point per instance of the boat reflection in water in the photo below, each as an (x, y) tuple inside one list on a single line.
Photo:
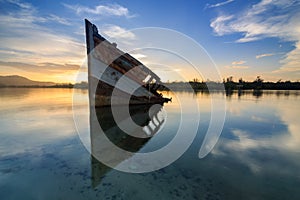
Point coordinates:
[(148, 119), (116, 79)]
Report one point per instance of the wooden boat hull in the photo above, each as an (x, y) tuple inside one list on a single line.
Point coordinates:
[(115, 77)]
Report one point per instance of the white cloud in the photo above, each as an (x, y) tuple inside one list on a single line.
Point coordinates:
[(262, 21), (103, 10), (22, 5), (247, 39), (218, 4), (29, 14), (41, 67), (240, 62), (278, 18), (118, 32), (237, 67), (291, 62), (58, 19), (219, 26), (26, 41), (264, 55)]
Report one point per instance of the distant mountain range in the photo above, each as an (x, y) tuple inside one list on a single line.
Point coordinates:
[(18, 81)]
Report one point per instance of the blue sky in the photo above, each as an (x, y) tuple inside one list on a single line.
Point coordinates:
[(44, 40)]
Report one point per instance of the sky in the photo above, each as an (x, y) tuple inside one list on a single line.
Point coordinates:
[(45, 40)]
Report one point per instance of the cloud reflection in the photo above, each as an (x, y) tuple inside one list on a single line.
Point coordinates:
[(269, 137)]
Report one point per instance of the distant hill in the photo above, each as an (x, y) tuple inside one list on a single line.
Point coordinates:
[(15, 80)]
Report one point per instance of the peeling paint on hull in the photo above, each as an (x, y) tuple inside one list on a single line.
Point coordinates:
[(116, 77)]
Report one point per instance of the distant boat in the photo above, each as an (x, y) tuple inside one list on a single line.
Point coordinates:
[(107, 65)]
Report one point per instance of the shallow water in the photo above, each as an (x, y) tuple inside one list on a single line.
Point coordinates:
[(256, 157)]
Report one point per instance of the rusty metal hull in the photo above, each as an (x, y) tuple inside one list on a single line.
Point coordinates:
[(107, 65)]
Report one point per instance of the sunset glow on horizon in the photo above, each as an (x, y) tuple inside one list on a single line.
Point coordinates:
[(244, 39)]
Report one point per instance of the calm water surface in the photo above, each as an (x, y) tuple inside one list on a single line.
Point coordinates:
[(256, 157)]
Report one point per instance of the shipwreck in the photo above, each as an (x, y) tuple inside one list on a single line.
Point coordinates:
[(116, 77)]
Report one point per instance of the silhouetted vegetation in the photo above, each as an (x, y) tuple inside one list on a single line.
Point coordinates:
[(228, 84), (259, 84)]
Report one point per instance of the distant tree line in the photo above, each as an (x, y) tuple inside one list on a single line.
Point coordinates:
[(259, 83), (196, 85), (228, 84)]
